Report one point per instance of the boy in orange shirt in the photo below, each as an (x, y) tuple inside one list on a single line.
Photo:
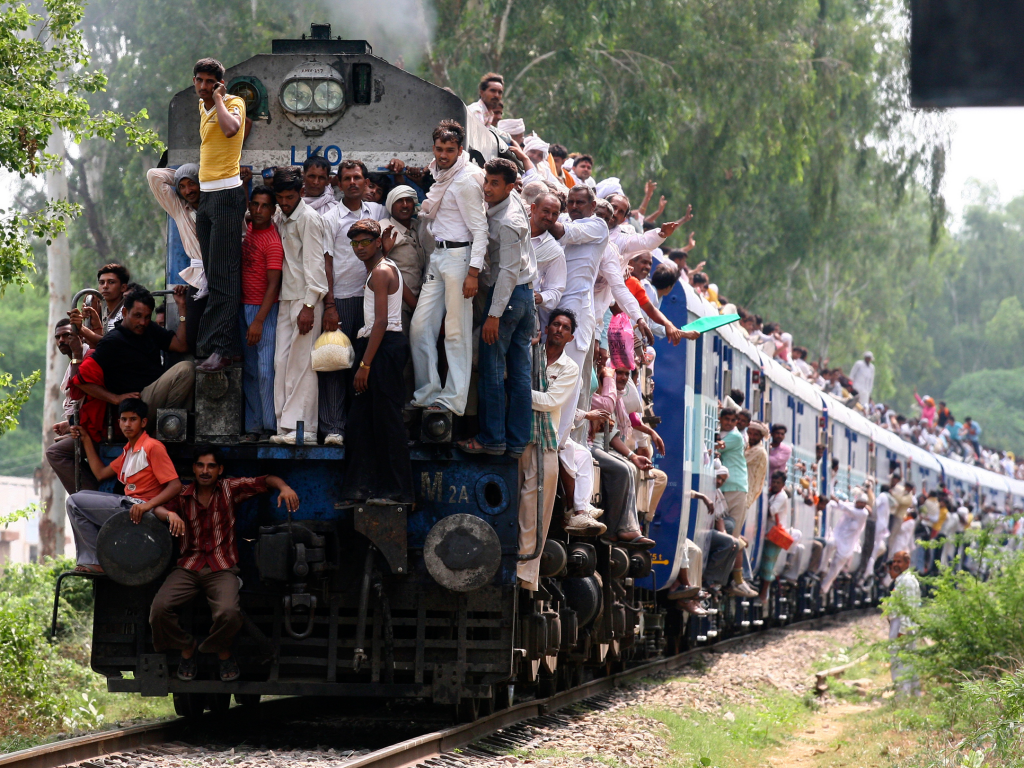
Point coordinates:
[(143, 468)]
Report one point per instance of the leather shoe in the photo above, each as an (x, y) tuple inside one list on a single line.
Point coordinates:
[(213, 363)]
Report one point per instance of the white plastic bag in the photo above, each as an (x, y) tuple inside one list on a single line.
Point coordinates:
[(332, 352)]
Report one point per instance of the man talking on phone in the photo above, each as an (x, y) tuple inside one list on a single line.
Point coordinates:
[(221, 212)]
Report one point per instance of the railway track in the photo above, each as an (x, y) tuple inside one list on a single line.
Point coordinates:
[(481, 740)]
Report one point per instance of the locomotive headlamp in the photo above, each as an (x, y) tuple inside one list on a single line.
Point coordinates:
[(313, 96)]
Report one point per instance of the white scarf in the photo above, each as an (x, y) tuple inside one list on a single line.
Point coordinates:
[(443, 180), (324, 202)]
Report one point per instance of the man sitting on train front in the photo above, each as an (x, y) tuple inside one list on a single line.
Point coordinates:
[(202, 515)]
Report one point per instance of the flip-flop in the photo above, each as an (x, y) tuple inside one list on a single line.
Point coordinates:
[(640, 542), (470, 445), (690, 593)]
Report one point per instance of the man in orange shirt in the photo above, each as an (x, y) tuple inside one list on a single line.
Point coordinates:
[(143, 468)]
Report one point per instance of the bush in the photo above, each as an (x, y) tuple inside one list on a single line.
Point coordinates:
[(42, 683), (976, 627)]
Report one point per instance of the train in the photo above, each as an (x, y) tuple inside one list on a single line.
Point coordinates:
[(421, 600)]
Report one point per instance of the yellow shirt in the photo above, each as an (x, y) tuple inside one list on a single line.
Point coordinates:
[(219, 156)]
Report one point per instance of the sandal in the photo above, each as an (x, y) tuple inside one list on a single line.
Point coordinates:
[(188, 668), (640, 542), (687, 593), (692, 607), (474, 446), (229, 671)]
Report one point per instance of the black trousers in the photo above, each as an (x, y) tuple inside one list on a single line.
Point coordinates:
[(376, 443), (335, 387), (219, 226)]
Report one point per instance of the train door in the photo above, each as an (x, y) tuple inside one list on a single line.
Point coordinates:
[(676, 404)]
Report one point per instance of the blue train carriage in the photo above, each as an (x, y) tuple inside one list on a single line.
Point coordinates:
[(688, 424), (797, 404)]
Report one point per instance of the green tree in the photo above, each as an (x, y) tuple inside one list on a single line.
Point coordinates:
[(44, 85)]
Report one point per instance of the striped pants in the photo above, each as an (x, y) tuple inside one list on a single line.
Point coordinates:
[(219, 227), (336, 390), (258, 371)]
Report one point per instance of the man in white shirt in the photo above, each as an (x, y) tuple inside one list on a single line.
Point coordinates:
[(455, 208), (907, 591), (885, 505), (300, 309), (177, 192), (846, 534), (492, 87), (584, 239), (862, 375), (317, 191), (629, 242), (550, 284), (582, 171), (557, 381), (343, 304)]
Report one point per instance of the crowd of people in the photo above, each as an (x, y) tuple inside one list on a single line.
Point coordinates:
[(518, 294)]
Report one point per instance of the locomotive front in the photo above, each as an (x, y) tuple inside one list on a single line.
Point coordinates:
[(393, 601)]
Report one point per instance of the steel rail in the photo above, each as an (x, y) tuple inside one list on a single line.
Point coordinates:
[(405, 753)]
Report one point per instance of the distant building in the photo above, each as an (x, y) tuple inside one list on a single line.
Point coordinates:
[(19, 541)]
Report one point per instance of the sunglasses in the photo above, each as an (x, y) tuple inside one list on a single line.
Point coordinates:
[(364, 243)]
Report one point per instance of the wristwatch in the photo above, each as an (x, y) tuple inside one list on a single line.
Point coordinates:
[(181, 318), (75, 361), (307, 306)]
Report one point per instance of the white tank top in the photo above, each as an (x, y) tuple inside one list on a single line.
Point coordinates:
[(394, 305)]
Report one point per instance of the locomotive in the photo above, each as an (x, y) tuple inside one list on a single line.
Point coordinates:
[(421, 600)]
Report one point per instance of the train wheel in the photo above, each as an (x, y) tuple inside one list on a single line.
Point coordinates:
[(190, 705)]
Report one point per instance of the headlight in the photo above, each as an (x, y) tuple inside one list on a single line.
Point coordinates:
[(328, 96), (297, 96)]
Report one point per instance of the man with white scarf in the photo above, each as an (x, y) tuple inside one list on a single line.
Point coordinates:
[(177, 192), (458, 222), (317, 191), (537, 150)]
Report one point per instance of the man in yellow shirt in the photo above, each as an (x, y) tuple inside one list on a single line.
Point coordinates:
[(220, 218)]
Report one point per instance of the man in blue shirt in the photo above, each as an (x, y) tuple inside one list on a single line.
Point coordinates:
[(734, 490)]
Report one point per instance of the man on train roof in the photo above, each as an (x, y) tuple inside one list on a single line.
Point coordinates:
[(202, 515), (491, 89)]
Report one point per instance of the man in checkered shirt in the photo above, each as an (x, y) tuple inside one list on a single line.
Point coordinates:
[(203, 517)]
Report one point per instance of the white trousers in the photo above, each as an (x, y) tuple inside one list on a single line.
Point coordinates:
[(579, 462), (441, 300), (568, 415), (529, 570), (295, 385)]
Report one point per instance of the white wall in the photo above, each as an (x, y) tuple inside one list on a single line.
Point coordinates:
[(19, 541)]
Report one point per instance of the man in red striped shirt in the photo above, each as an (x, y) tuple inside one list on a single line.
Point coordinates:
[(203, 516)]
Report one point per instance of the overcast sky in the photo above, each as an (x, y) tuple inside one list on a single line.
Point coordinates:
[(986, 146)]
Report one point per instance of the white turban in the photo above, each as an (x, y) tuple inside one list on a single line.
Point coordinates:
[(859, 495), (533, 141), (720, 468), (609, 186), (513, 126), (399, 193)]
